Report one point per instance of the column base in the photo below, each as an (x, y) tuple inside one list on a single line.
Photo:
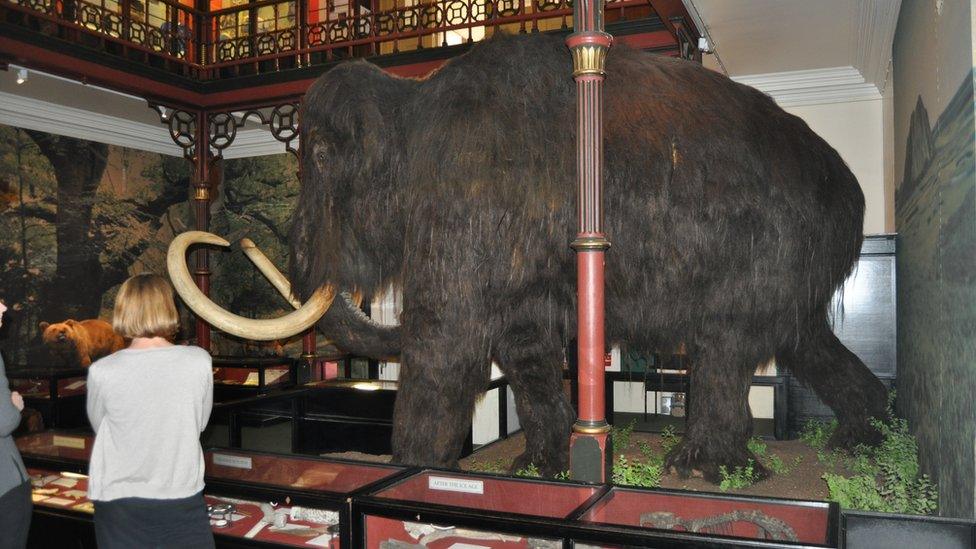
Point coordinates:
[(589, 455)]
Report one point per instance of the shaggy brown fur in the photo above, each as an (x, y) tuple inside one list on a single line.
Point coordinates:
[(732, 225), (79, 343)]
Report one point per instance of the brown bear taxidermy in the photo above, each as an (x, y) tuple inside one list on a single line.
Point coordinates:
[(79, 343), (732, 225)]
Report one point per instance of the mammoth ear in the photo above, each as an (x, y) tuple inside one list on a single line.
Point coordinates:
[(43, 325), (364, 109)]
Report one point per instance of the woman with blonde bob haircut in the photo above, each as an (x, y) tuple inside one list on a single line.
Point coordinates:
[(148, 404), (144, 307)]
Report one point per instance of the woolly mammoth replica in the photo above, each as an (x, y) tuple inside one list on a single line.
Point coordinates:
[(732, 225)]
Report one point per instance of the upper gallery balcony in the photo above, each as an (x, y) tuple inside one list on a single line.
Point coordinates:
[(221, 40)]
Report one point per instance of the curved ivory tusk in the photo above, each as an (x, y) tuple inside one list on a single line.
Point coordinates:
[(250, 328), (269, 271)]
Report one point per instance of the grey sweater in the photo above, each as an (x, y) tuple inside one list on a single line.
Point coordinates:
[(148, 408), (12, 471)]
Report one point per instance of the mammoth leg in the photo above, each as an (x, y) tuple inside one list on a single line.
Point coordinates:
[(719, 422), (532, 364), (440, 377), (842, 382)]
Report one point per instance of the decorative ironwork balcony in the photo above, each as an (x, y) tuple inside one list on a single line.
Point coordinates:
[(234, 41)]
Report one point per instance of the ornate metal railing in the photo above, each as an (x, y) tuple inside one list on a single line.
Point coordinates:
[(230, 41), (126, 27)]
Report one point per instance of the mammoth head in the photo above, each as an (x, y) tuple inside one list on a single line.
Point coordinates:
[(345, 229)]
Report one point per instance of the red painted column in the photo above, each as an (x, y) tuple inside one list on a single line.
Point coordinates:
[(201, 213), (308, 354), (589, 444)]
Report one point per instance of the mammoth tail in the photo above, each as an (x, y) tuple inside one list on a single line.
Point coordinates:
[(355, 333)]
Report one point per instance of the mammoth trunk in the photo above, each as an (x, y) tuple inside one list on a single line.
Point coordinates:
[(355, 333)]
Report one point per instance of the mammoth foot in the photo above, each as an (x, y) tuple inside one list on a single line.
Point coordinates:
[(697, 459), (546, 467), (852, 433)]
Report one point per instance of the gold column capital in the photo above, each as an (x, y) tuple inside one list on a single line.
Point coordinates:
[(589, 59), (589, 52)]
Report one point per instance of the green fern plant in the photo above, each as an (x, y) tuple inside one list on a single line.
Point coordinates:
[(816, 433), (757, 446), (740, 477), (530, 470), (886, 478), (669, 439), (620, 436), (636, 473)]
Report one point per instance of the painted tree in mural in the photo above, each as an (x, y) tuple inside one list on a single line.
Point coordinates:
[(256, 200), (128, 226), (78, 167), (27, 212), (76, 218)]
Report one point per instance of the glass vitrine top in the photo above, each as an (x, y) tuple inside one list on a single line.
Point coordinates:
[(755, 518), (520, 496), (294, 471), (366, 385), (56, 444)]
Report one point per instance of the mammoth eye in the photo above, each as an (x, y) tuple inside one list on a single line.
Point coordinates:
[(321, 152)]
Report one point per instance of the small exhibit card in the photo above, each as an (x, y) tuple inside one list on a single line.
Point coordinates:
[(237, 462), (468, 486), (77, 443)]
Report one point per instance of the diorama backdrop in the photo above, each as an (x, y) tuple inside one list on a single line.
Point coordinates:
[(935, 213), (78, 217)]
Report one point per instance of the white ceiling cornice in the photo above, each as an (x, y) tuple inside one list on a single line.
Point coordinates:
[(874, 23), (813, 87), (33, 114), (249, 143)]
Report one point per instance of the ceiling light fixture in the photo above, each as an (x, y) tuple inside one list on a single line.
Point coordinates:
[(21, 75)]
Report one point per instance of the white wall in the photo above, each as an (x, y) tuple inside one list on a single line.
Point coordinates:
[(856, 130)]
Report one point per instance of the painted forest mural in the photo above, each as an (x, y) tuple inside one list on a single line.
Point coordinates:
[(936, 215), (78, 217)]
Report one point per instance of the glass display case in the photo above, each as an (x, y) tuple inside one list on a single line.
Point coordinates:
[(625, 517), (348, 415), (57, 449), (57, 461), (57, 393), (258, 499), (60, 490), (301, 501), (254, 499), (258, 422), (236, 376), (435, 508)]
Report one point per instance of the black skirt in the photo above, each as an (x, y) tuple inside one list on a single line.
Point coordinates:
[(15, 517), (153, 523)]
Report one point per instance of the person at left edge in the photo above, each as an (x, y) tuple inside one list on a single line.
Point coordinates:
[(15, 501)]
